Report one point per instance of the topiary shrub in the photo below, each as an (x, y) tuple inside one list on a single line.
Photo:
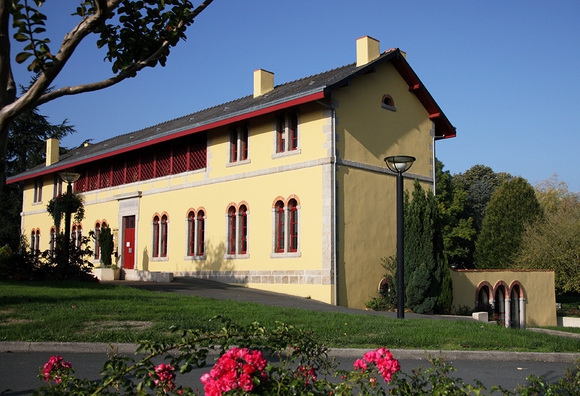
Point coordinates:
[(106, 243)]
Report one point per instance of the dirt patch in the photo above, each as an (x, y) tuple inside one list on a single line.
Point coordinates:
[(118, 325), (15, 321)]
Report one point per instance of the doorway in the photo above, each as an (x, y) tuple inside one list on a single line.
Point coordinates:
[(129, 242)]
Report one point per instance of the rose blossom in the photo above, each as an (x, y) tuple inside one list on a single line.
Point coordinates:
[(235, 369)]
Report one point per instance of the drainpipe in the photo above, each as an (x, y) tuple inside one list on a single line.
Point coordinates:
[(334, 202), (334, 198), (434, 159)]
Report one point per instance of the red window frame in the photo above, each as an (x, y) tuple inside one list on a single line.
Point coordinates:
[(293, 226), (191, 233), (280, 134), (280, 227), (155, 252), (52, 244), (293, 132), (233, 145), (38, 182), (244, 143), (164, 229), (232, 230), (243, 216), (97, 243), (200, 233)]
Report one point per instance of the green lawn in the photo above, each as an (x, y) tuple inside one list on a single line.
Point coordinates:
[(91, 312)]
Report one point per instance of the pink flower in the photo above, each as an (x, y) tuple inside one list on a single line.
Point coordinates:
[(165, 377), (383, 360), (360, 364), (238, 368), (55, 368), (306, 373)]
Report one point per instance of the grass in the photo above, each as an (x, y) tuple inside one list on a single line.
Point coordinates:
[(91, 312)]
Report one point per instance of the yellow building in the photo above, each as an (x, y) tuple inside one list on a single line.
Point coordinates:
[(283, 190)]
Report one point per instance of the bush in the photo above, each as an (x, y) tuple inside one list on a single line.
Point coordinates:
[(27, 265), (298, 365)]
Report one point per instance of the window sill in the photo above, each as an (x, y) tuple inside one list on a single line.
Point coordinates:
[(195, 258), (286, 255), (158, 259), (244, 162), (287, 153), (236, 256)]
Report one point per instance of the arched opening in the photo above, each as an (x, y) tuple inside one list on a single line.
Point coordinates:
[(517, 306), (500, 306), (484, 298), (514, 308)]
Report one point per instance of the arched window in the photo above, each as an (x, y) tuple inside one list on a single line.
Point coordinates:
[(243, 226), (77, 236), (293, 226), (279, 227), (155, 252), (52, 245), (237, 230), (196, 233), (35, 241), (97, 243), (231, 230), (286, 227), (191, 233), (164, 230), (160, 231), (201, 233)]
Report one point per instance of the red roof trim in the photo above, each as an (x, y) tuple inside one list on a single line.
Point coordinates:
[(443, 127), (216, 124)]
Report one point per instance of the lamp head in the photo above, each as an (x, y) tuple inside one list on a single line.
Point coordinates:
[(69, 177), (399, 163)]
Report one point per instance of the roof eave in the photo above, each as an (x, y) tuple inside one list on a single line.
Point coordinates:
[(304, 97)]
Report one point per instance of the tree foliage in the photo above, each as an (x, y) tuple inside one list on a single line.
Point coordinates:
[(423, 251), (458, 230), (554, 242), (134, 33), (479, 182), (512, 207), (26, 148)]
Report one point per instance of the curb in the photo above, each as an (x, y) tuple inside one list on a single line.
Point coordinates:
[(355, 353)]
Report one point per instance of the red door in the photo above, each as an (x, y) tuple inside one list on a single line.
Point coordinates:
[(129, 241)]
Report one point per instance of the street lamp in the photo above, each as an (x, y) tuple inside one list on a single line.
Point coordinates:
[(400, 164), (69, 178)]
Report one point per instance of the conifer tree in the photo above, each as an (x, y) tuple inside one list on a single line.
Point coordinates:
[(511, 208), (423, 251)]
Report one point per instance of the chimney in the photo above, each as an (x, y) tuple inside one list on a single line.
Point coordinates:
[(263, 82), (52, 151), (367, 49)]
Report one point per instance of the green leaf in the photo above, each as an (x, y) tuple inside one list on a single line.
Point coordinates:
[(21, 57)]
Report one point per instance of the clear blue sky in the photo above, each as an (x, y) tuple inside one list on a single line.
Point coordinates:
[(506, 73)]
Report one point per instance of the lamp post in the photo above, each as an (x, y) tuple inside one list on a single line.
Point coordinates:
[(400, 164), (69, 178)]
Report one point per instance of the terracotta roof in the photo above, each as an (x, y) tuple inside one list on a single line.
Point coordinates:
[(304, 90)]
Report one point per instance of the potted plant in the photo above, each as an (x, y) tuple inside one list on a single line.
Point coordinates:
[(108, 271)]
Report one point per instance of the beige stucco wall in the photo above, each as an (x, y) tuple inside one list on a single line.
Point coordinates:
[(366, 133), (538, 285), (257, 183)]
